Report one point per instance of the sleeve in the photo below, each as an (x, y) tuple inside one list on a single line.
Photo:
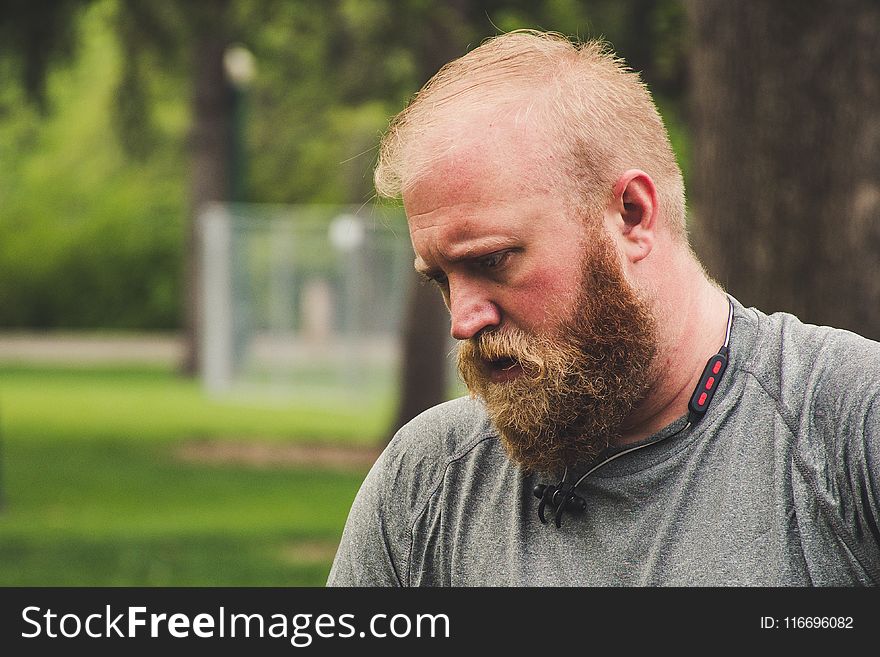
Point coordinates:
[(861, 467), (847, 479), (836, 455), (374, 545)]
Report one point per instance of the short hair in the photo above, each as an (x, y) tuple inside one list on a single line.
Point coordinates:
[(599, 117)]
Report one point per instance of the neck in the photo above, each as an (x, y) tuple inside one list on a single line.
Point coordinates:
[(692, 324)]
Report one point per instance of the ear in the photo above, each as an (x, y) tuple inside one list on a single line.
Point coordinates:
[(632, 214)]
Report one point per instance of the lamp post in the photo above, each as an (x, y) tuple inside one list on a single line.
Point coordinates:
[(240, 68)]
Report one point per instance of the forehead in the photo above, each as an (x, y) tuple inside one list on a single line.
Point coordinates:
[(498, 160), (485, 194)]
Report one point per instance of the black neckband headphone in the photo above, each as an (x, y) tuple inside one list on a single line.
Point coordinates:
[(562, 497)]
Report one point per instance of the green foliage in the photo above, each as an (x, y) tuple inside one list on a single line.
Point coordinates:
[(34, 35), (90, 238), (93, 196), (93, 491)]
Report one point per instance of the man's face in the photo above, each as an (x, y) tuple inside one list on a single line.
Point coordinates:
[(554, 339), (577, 382)]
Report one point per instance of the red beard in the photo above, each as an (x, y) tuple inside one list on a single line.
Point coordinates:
[(558, 399)]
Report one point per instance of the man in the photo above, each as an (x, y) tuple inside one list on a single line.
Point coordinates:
[(629, 423)]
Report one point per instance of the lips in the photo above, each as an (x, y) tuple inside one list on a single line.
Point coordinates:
[(502, 369)]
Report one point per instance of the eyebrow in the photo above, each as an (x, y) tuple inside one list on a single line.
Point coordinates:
[(469, 251), (423, 269)]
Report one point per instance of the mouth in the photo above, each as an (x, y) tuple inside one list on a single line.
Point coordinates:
[(502, 369)]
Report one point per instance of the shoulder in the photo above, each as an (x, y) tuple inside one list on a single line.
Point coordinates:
[(445, 430), (826, 383), (418, 456), (377, 541), (804, 366)]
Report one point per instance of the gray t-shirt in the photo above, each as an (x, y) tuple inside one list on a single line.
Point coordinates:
[(778, 485)]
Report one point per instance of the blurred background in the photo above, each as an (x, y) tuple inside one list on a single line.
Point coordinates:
[(209, 328)]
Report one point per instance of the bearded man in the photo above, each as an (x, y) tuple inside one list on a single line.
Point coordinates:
[(629, 423)]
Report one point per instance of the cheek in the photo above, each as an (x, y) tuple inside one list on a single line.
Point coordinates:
[(545, 298)]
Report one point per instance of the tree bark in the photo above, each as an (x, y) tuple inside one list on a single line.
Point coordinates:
[(423, 377), (210, 177), (423, 366), (785, 189)]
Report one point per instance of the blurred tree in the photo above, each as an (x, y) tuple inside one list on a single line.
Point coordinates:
[(423, 381), (193, 36), (36, 35), (785, 191), (90, 238)]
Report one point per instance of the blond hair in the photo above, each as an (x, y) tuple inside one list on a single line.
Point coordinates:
[(597, 115)]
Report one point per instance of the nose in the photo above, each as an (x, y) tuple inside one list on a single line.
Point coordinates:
[(471, 312)]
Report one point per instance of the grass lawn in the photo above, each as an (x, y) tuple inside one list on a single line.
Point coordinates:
[(94, 494)]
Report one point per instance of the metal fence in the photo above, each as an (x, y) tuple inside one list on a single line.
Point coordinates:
[(303, 300)]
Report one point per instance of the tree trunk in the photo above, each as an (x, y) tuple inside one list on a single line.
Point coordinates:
[(210, 177), (423, 379), (785, 190), (423, 368)]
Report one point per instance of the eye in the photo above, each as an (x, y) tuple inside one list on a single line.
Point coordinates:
[(437, 278), (494, 260), (440, 280)]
